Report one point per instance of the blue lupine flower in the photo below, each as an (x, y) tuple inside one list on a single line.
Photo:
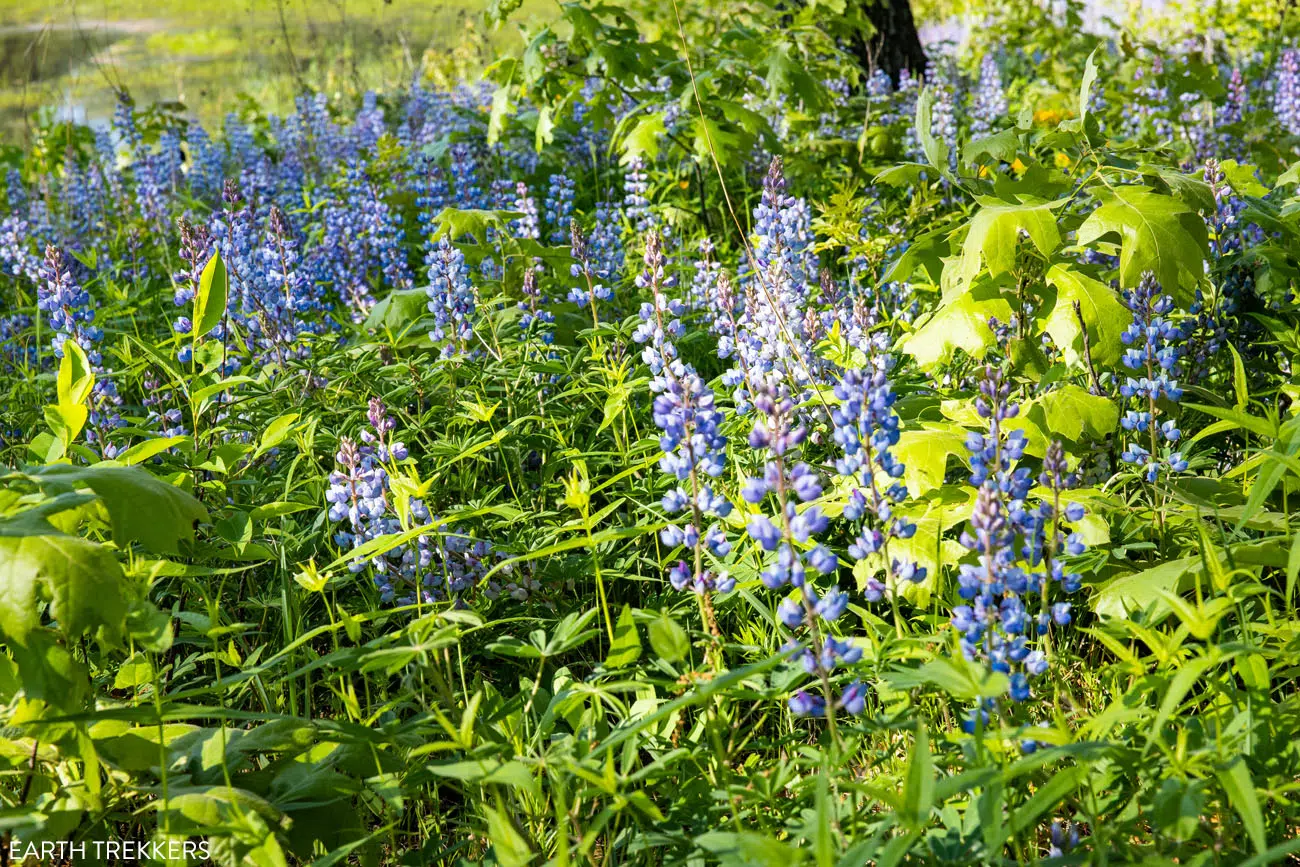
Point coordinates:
[(996, 621), (71, 315), (866, 429), (451, 300), (635, 204), (559, 207), (694, 448), (1155, 345)]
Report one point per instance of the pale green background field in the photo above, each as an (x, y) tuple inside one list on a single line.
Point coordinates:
[(67, 57)]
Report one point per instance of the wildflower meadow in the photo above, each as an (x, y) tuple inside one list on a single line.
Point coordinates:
[(708, 434)]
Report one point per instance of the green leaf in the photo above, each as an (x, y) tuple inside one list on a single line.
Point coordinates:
[(1072, 411), (918, 784), (1103, 313), (961, 323), (625, 649), (957, 677), (140, 507), (936, 152), (1240, 788), (1242, 179), (749, 848), (134, 672), (210, 300), (669, 639), (508, 845), (1239, 385), (1002, 146), (81, 581), (1137, 591), (1157, 233), (457, 223), (995, 234), (1085, 94), (399, 311), (924, 453), (642, 140), (143, 451)]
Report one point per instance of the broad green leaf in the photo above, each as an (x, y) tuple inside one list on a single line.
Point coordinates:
[(1137, 591), (210, 299), (925, 453), (1157, 233), (134, 672), (457, 223), (642, 139), (936, 152), (81, 581), (961, 323), (1002, 146), (995, 235), (1103, 313), (749, 848), (957, 677), (398, 311), (141, 508), (1072, 411), (75, 377), (143, 451), (1243, 180), (669, 639)]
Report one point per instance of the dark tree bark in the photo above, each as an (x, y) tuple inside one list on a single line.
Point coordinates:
[(895, 46)]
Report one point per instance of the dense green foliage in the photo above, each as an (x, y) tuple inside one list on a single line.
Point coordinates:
[(357, 507)]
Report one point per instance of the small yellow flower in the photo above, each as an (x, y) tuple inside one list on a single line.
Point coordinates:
[(1048, 116), (684, 184), (1017, 166), (1062, 160)]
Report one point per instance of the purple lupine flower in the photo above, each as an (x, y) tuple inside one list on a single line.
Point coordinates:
[(1286, 91), (990, 105), (70, 312), (592, 287)]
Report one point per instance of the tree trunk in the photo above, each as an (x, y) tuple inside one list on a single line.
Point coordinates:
[(895, 45)]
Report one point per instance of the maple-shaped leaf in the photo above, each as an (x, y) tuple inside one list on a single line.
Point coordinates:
[(1103, 313), (1157, 233), (995, 235)]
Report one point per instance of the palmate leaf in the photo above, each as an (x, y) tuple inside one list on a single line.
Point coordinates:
[(141, 508), (81, 581), (995, 235), (1103, 312), (1071, 412), (1157, 233), (924, 453), (961, 323)]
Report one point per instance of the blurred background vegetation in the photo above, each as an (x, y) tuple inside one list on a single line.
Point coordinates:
[(215, 56), (66, 59)]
